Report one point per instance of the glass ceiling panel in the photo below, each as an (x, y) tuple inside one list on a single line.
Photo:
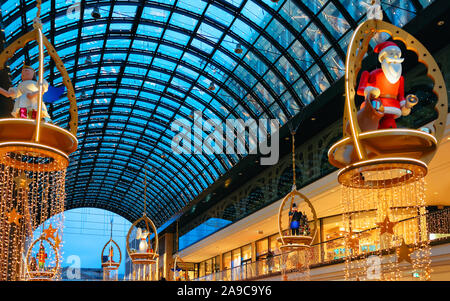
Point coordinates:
[(131, 85)]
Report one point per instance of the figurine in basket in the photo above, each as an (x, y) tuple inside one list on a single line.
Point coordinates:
[(41, 257), (383, 90), (143, 244), (26, 96)]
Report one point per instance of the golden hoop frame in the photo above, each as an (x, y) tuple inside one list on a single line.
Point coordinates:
[(151, 256), (108, 264), (291, 196), (175, 266), (357, 49), (34, 36), (55, 269)]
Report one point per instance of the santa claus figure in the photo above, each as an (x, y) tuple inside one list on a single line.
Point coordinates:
[(383, 90)]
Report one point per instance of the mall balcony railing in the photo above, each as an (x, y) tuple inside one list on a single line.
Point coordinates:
[(438, 224)]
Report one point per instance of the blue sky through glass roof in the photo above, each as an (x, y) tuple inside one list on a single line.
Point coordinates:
[(135, 69)]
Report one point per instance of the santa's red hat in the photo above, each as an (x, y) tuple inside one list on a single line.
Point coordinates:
[(383, 45), (380, 48)]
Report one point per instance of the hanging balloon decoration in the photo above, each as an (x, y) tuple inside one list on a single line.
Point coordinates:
[(34, 155), (180, 270), (110, 263), (140, 246), (43, 256), (297, 227), (382, 167)]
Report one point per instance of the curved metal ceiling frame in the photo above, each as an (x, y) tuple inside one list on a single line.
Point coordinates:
[(209, 59)]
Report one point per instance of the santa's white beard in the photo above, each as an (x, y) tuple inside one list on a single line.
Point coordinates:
[(392, 71)]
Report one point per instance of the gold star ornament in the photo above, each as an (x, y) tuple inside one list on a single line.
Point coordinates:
[(404, 253), (49, 232), (22, 181), (13, 217), (387, 226)]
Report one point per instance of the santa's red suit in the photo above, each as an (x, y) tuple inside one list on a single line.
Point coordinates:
[(391, 95)]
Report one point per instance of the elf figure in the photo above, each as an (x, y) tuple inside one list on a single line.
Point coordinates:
[(41, 257), (111, 254), (383, 90), (26, 95)]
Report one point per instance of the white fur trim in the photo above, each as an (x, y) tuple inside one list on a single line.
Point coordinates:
[(402, 103), (393, 111)]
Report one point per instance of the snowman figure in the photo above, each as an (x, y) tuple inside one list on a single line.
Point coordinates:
[(142, 235), (26, 96)]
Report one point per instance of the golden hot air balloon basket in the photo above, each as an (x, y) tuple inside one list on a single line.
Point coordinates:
[(111, 265), (48, 275), (295, 242), (403, 153), (26, 137), (144, 257)]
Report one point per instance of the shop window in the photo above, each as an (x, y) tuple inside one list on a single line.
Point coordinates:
[(333, 234), (226, 260), (246, 253), (236, 258), (202, 269), (274, 245), (262, 246)]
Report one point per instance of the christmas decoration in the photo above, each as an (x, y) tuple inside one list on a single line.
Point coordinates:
[(382, 167), (34, 155), (43, 257), (109, 265), (145, 256), (297, 239)]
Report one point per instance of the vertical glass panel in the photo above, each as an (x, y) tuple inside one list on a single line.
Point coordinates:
[(247, 252), (274, 82), (256, 14), (301, 55), (334, 64), (236, 258), (303, 91), (425, 3), (318, 79), (262, 246), (219, 15), (314, 5), (399, 12), (290, 103), (355, 8), (226, 260), (294, 15), (333, 20), (274, 245), (287, 69), (314, 37), (280, 33), (267, 49)]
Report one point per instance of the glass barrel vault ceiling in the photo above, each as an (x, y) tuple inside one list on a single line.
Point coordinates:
[(145, 63)]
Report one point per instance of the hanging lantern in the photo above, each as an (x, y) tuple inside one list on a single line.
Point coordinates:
[(296, 231), (109, 265), (88, 60), (96, 13), (33, 161), (382, 168), (142, 252), (238, 49)]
